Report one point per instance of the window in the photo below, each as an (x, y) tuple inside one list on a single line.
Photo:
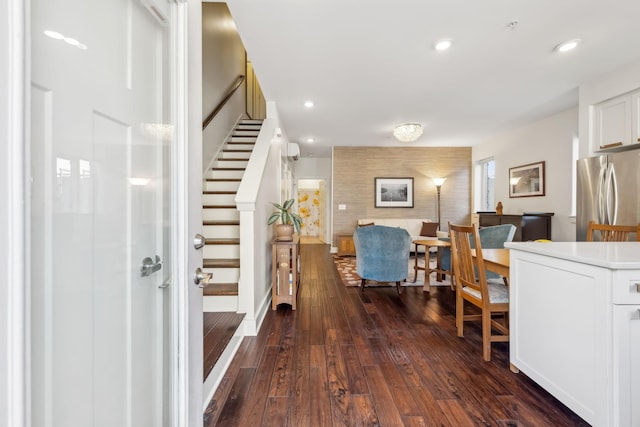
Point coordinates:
[(574, 173), (486, 169)]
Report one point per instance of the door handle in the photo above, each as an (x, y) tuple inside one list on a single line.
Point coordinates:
[(613, 198), (602, 183), (198, 241), (201, 278), (150, 266)]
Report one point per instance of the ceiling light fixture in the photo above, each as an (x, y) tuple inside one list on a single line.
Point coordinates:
[(408, 132), (443, 44), (568, 45), (308, 104), (310, 140)]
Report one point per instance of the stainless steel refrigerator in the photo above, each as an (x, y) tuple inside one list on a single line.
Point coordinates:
[(608, 190)]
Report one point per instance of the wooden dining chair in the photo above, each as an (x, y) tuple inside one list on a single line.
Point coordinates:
[(472, 287), (612, 233)]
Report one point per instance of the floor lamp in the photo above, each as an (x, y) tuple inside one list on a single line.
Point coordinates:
[(438, 183)]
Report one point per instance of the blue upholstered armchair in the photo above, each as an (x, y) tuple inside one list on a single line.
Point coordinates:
[(493, 237), (382, 254)]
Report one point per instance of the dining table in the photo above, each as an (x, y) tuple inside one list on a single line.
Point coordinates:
[(496, 260)]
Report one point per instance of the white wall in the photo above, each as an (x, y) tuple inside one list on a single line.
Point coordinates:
[(318, 168), (608, 86), (223, 60), (549, 140)]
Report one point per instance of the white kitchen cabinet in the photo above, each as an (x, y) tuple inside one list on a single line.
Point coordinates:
[(626, 354), (575, 325), (616, 122), (612, 122)]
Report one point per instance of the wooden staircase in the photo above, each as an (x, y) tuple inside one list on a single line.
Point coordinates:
[(221, 219)]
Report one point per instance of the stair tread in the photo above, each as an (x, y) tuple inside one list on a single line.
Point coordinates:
[(237, 150), (229, 169), (219, 192), (233, 159), (221, 263), (223, 179), (222, 241), (220, 289), (219, 206), (221, 222)]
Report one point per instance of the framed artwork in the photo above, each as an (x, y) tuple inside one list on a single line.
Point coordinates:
[(527, 180), (394, 192)]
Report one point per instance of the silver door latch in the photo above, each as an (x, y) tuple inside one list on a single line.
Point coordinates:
[(198, 241), (201, 278), (149, 266)]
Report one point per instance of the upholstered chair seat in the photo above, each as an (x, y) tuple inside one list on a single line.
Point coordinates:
[(498, 292)]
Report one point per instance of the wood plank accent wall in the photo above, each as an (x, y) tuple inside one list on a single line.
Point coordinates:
[(354, 170)]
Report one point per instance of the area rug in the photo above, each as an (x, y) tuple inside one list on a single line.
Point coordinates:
[(346, 267)]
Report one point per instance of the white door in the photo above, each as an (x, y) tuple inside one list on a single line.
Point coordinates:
[(103, 309)]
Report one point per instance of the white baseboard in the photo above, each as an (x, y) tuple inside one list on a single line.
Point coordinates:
[(252, 326), (215, 376), (333, 250)]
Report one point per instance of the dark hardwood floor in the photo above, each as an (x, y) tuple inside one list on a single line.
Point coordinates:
[(346, 358), (217, 329)]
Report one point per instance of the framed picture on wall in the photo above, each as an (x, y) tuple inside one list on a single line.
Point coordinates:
[(394, 192), (527, 180)]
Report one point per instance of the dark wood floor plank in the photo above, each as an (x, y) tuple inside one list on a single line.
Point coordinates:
[(253, 410), (232, 409), (281, 381), (401, 394), (338, 382), (414, 421), (355, 375), (364, 413), (456, 415), (429, 407), (299, 399), (275, 413), (219, 328), (319, 401), (386, 408), (375, 358)]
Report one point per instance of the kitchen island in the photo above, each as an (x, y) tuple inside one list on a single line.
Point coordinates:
[(575, 325)]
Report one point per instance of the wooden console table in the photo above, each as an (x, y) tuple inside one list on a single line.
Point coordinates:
[(529, 226), (285, 272)]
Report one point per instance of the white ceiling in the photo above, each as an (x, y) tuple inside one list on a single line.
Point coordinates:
[(370, 65)]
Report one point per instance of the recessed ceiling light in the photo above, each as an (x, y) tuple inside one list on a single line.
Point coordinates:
[(443, 44), (308, 104), (310, 140), (568, 45)]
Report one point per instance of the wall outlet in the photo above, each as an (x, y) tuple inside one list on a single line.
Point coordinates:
[(342, 207)]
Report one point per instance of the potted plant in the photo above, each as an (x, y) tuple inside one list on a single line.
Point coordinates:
[(288, 220)]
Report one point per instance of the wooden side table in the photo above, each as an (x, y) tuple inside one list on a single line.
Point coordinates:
[(427, 271), (346, 247), (285, 272)]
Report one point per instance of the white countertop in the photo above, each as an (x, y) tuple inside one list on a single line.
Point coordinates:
[(613, 255)]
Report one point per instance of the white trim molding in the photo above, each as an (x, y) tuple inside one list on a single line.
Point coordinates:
[(14, 284)]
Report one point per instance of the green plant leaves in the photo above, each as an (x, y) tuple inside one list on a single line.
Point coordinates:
[(284, 215)]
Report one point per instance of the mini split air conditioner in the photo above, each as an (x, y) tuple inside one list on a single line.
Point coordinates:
[(293, 151)]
